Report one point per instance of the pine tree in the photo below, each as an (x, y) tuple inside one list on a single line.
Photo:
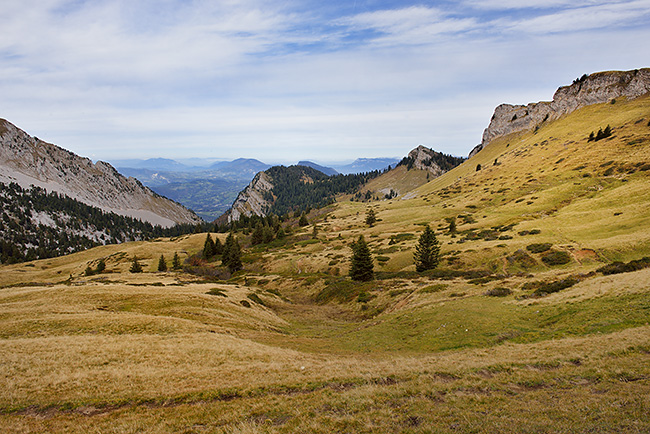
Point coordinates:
[(231, 256), (218, 247), (162, 264), (257, 237), (135, 266), (371, 217), (427, 252), (101, 266), (303, 220), (452, 225), (361, 266), (208, 248), (176, 262)]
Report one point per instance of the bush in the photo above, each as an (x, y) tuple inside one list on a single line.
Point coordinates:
[(545, 288), (538, 247), (256, 299), (217, 291), (620, 267), (499, 291), (556, 257)]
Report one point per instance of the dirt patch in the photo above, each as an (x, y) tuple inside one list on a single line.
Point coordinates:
[(585, 255)]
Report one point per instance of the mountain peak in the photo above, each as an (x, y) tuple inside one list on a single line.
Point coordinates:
[(590, 89)]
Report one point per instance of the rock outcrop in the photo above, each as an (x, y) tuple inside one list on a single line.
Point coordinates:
[(27, 161), (434, 162), (253, 200), (590, 89)]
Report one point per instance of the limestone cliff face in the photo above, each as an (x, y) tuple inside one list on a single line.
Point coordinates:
[(423, 160), (589, 89), (27, 161), (253, 199)]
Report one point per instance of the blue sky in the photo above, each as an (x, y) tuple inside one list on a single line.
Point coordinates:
[(287, 80)]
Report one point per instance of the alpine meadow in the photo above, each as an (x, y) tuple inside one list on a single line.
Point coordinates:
[(505, 292)]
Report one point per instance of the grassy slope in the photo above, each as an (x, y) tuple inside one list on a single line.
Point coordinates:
[(156, 352)]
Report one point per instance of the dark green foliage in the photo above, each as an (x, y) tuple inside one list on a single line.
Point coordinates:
[(89, 271), (176, 262), (135, 266), (162, 264), (209, 248), (371, 217), (444, 161), (538, 247), (101, 266), (545, 288), (601, 134), (556, 257), (301, 188), (620, 267), (70, 226), (218, 292), (303, 220), (231, 256), (499, 291), (478, 167), (256, 299), (361, 267), (427, 251)]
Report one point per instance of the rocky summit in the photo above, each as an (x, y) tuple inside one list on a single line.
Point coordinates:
[(590, 89)]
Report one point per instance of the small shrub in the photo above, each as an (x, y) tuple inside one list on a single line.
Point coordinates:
[(218, 292), (556, 257), (545, 288), (256, 299), (499, 291), (364, 297), (620, 267), (433, 288), (245, 303), (538, 247)]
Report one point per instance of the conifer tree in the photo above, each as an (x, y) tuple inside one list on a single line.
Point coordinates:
[(427, 251), (371, 217), (176, 262), (135, 266), (303, 220), (361, 266), (101, 266), (231, 256), (218, 247), (162, 264), (208, 248)]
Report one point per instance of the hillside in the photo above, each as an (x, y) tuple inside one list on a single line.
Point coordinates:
[(534, 321), (27, 161), (281, 190)]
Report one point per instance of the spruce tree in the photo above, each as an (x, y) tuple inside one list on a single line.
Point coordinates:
[(101, 266), (427, 251), (162, 264), (218, 247), (208, 248), (303, 220), (231, 256), (176, 262), (371, 217), (135, 266), (361, 266)]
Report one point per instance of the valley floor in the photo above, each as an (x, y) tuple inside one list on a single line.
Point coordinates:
[(166, 352)]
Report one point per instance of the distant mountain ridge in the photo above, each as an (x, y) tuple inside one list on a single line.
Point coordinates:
[(362, 165), (28, 161), (326, 170)]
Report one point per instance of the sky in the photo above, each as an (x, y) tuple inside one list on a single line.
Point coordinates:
[(288, 80)]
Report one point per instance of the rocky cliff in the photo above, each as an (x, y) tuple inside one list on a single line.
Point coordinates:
[(434, 162), (253, 200), (27, 161), (590, 89)]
